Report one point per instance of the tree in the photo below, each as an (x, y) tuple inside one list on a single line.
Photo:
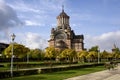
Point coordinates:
[(92, 55), (50, 53), (19, 51), (68, 54), (94, 48), (57, 54), (105, 55), (36, 53), (116, 53), (82, 55)]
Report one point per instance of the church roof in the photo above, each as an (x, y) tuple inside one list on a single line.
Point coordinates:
[(62, 14), (78, 37)]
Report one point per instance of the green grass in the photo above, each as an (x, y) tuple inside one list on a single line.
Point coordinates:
[(59, 75), (6, 67)]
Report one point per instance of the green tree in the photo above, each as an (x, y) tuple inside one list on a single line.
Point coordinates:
[(92, 56), (94, 48), (50, 53), (116, 53), (82, 55), (36, 53), (105, 55), (57, 54), (93, 53), (19, 51), (68, 54)]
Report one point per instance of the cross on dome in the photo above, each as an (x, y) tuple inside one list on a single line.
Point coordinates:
[(62, 8)]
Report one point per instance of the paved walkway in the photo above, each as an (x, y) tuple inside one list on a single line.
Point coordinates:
[(102, 75)]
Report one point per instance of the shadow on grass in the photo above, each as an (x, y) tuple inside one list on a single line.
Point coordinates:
[(86, 69), (66, 72), (71, 71), (36, 77)]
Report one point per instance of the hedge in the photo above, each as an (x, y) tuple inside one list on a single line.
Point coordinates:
[(6, 74), (24, 65), (1, 65), (55, 69)]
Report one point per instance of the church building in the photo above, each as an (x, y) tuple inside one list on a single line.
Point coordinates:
[(63, 37)]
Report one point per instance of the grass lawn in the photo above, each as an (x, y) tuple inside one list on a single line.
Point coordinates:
[(6, 67), (59, 75)]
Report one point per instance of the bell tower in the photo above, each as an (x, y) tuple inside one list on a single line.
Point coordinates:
[(62, 20)]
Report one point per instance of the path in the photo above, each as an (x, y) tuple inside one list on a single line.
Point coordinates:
[(101, 75)]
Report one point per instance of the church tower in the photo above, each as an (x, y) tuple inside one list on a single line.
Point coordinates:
[(63, 20), (63, 37)]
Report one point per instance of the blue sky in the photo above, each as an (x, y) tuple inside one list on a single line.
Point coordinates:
[(32, 20)]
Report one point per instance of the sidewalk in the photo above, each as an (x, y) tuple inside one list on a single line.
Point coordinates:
[(102, 75)]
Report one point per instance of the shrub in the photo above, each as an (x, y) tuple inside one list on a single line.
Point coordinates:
[(1, 65), (6, 74)]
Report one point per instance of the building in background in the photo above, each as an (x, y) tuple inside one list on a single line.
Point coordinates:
[(63, 36), (3, 46)]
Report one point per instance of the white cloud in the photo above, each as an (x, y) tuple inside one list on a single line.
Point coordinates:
[(20, 5), (8, 17), (37, 13), (33, 23), (33, 40), (104, 41), (36, 6)]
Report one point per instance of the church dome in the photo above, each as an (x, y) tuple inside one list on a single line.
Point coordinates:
[(62, 15)]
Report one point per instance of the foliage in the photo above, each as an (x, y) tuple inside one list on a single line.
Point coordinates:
[(82, 55), (94, 48), (19, 51), (69, 54), (6, 74), (116, 53), (50, 52), (36, 53), (105, 55), (92, 55), (59, 75)]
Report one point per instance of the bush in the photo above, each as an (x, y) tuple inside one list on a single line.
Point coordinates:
[(1, 65), (6, 74), (28, 65), (55, 69)]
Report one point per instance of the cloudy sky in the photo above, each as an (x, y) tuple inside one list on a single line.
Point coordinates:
[(32, 20)]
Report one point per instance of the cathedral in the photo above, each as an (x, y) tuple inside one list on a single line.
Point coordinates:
[(63, 37)]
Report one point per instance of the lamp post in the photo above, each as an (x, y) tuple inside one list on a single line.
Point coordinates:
[(11, 69), (27, 57), (0, 55), (98, 56)]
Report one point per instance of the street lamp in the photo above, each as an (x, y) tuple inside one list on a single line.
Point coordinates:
[(98, 56), (0, 55), (11, 69), (27, 57)]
